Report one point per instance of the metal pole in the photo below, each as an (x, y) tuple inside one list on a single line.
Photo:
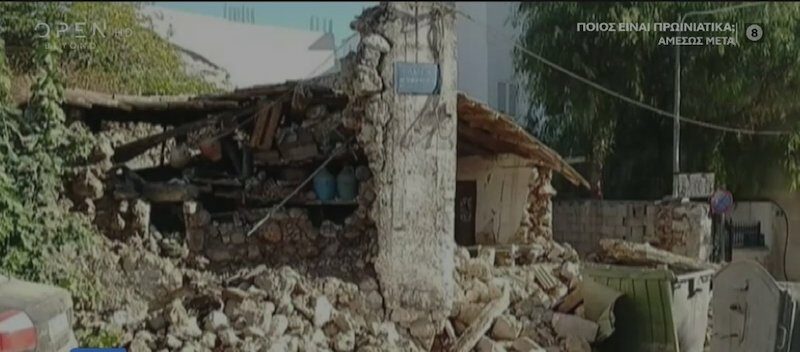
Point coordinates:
[(676, 126)]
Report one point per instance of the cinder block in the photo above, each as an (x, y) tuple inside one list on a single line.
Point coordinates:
[(622, 209), (650, 230), (633, 221), (637, 234), (614, 220), (638, 211)]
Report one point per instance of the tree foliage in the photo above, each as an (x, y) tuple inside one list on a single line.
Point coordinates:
[(752, 85), (115, 51), (38, 149)]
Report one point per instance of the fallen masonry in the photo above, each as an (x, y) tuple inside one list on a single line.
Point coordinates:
[(171, 305), (324, 215)]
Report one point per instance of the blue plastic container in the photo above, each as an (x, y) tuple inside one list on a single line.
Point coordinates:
[(325, 185), (346, 184)]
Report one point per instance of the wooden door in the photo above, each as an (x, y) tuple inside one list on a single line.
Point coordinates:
[(466, 200)]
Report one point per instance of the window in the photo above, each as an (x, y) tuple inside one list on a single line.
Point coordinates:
[(501, 96), (507, 97), (512, 99)]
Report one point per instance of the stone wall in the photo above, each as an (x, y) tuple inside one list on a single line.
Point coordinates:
[(682, 228), (410, 143), (538, 219), (287, 237)]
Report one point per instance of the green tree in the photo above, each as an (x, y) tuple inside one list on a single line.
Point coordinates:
[(749, 85)]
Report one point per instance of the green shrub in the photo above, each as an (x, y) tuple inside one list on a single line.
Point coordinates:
[(117, 53)]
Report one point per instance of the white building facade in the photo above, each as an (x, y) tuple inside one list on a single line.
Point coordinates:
[(486, 56), (250, 54), (257, 54)]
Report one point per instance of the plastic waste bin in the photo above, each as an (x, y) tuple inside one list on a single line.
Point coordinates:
[(660, 310)]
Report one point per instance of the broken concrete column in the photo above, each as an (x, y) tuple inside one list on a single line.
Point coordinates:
[(410, 141)]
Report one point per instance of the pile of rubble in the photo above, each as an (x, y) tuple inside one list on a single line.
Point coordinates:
[(166, 299), (172, 304), (170, 296), (512, 307), (272, 310)]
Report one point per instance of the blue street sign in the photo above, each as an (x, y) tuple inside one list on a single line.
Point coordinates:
[(721, 202), (414, 78)]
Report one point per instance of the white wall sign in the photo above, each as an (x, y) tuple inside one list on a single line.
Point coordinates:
[(695, 185)]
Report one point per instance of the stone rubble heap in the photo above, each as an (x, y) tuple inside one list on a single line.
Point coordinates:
[(273, 310), (170, 302), (536, 284), (169, 306)]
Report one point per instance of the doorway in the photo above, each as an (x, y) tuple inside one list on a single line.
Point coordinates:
[(466, 201)]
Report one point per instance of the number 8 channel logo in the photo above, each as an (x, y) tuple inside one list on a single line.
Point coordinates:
[(754, 32)]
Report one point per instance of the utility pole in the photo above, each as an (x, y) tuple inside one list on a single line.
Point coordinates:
[(676, 125)]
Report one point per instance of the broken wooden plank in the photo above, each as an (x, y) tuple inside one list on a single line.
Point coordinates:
[(133, 149), (571, 301), (467, 341), (629, 253), (272, 126), (263, 115)]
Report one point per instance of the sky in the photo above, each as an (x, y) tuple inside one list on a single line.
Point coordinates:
[(284, 14)]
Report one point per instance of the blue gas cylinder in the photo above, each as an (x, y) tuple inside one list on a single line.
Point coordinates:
[(325, 185), (346, 183)]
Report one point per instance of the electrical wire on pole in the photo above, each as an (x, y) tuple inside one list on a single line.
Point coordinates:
[(620, 96), (676, 127)]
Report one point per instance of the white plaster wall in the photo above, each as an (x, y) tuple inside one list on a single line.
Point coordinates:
[(472, 48), (485, 53), (790, 201), (758, 211), (502, 194), (251, 54), (410, 141), (501, 49)]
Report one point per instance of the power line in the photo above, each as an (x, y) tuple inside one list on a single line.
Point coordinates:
[(617, 95)]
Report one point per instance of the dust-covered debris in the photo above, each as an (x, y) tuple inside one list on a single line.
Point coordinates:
[(536, 286)]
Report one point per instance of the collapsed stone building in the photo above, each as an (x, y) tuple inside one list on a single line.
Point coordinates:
[(237, 175)]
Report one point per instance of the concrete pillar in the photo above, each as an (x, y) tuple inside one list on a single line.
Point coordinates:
[(410, 141)]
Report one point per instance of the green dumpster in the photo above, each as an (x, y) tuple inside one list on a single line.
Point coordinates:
[(660, 310)]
